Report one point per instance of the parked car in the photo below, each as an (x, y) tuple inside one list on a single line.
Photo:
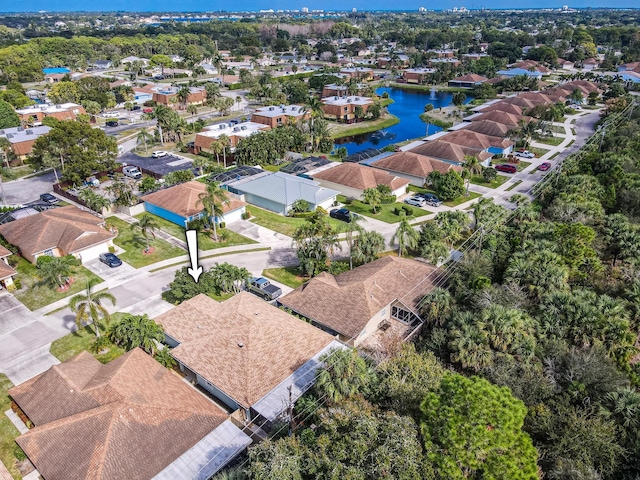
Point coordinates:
[(342, 214), (262, 287), (506, 168), (92, 181), (526, 154), (543, 167), (47, 197), (147, 110), (159, 154), (132, 171), (136, 107), (430, 199), (112, 123), (416, 201), (110, 259)]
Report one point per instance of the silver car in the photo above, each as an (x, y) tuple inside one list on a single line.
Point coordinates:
[(415, 201)]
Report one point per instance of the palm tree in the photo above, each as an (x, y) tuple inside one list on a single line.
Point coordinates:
[(143, 137), (89, 307), (56, 270), (372, 196), (238, 101), (164, 358), (5, 146), (192, 109), (225, 142), (94, 201), (406, 236), (367, 247), (212, 202), (147, 224), (344, 375), (314, 105), (183, 96), (472, 167), (137, 331), (216, 148), (351, 228)]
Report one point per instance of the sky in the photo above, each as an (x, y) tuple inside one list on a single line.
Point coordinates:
[(254, 5)]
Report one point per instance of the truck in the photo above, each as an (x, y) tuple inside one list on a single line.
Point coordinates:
[(262, 287), (132, 172)]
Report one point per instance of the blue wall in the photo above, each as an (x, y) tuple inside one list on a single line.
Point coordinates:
[(166, 214)]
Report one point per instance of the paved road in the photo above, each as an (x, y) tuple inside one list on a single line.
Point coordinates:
[(19, 192)]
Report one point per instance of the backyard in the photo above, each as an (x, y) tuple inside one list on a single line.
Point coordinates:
[(205, 242), (34, 294), (133, 243), (386, 212)]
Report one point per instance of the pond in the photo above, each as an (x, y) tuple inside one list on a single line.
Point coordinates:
[(407, 106)]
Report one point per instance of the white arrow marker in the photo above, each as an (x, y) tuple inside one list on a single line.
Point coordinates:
[(194, 270)]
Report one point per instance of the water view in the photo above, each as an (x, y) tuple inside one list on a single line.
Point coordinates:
[(407, 106)]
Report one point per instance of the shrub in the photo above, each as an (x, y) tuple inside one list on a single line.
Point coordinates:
[(42, 260), (408, 210), (19, 454), (322, 211), (246, 215), (112, 249), (349, 200), (388, 199)]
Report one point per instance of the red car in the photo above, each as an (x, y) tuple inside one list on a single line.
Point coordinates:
[(506, 168), (543, 167)]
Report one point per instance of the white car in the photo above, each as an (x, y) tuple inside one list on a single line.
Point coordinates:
[(526, 154), (111, 114), (159, 154), (415, 201)]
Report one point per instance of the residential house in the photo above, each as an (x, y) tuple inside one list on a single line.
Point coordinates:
[(168, 95), (417, 75), (23, 139), (358, 303), (399, 61), (359, 73), (334, 90), (565, 64), (274, 116), (478, 141), (142, 95), (343, 109), (626, 67), (7, 272), (443, 53), (500, 106), (473, 56), (454, 62), (444, 150), (235, 133), (276, 191), (180, 204), (351, 179), (467, 81), (131, 59), (101, 64), (486, 127), (34, 114), (590, 64), (129, 418), (412, 167), (58, 232), (245, 352), (532, 66)]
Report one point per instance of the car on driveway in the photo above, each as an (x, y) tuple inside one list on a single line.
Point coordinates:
[(342, 214), (110, 259), (159, 154), (112, 123), (415, 201), (526, 154), (47, 197), (430, 199), (543, 167), (506, 168)]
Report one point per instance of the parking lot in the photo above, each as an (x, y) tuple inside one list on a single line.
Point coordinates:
[(160, 166)]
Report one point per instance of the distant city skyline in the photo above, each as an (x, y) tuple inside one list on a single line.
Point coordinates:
[(195, 6)]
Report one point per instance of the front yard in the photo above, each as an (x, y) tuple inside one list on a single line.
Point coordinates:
[(449, 203), (495, 183), (282, 224), (34, 294), (134, 244), (205, 242), (81, 340), (385, 212), (289, 276), (9, 449)]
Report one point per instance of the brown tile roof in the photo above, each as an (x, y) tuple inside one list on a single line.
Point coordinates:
[(475, 140), (6, 271), (346, 302), (449, 151), (359, 176), (502, 107), (527, 64), (4, 252), (472, 77), (487, 127), (509, 119), (414, 164), (68, 228), (584, 85), (520, 102), (127, 419), (537, 97), (183, 198), (243, 346)]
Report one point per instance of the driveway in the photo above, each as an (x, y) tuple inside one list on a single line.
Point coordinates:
[(113, 276), (161, 166), (13, 314)]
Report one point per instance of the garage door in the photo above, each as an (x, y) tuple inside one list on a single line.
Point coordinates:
[(233, 216), (92, 253)]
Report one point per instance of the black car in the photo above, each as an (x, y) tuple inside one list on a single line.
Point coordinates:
[(110, 259), (47, 197), (342, 214), (112, 123), (430, 198)]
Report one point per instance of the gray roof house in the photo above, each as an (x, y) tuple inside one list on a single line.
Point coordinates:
[(276, 191)]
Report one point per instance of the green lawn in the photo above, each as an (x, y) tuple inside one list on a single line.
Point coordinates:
[(342, 130), (287, 275), (134, 244), (511, 187), (282, 224), (550, 140), (538, 151), (205, 242), (522, 165), (385, 212), (8, 432), (34, 294), (450, 203), (81, 340), (479, 180)]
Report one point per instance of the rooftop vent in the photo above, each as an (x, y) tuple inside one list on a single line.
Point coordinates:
[(240, 344), (243, 127), (10, 135), (29, 132), (335, 98), (270, 109), (236, 129), (20, 129)]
